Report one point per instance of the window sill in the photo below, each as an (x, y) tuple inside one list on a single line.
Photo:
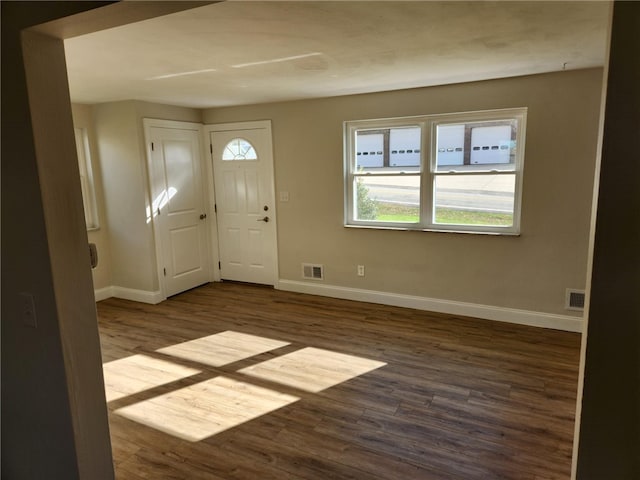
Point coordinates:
[(432, 230)]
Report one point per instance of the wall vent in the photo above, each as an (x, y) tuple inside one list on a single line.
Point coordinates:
[(312, 272), (574, 299)]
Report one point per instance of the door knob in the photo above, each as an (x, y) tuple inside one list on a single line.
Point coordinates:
[(203, 216), (265, 219)]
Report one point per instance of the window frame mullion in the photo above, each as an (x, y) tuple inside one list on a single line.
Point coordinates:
[(426, 184)]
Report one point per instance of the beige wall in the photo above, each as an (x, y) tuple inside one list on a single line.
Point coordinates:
[(123, 176), (529, 272), (83, 118), (120, 138)]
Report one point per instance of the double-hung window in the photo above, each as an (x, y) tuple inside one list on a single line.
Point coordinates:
[(457, 172)]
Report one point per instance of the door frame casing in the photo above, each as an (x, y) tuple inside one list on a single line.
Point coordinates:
[(148, 124), (208, 129)]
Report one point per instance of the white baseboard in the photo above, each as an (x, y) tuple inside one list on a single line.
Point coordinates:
[(142, 296), (103, 293), (510, 315)]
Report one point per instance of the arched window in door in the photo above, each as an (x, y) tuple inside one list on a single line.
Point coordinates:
[(239, 149)]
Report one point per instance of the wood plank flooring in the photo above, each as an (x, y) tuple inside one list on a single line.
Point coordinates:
[(232, 381)]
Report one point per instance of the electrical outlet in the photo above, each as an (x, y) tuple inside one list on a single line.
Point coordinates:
[(361, 270)]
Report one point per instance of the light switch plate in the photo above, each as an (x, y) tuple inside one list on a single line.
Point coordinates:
[(28, 309)]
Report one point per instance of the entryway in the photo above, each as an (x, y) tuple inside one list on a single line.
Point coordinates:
[(222, 217), (242, 160)]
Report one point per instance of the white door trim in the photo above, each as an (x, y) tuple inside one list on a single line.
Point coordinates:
[(224, 127), (148, 124)]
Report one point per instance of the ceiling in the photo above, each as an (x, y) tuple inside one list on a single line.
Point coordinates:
[(242, 52)]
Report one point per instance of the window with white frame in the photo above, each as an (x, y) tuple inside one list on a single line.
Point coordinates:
[(86, 179), (459, 172)]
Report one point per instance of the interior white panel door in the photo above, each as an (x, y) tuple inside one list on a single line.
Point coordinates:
[(179, 208), (245, 201)]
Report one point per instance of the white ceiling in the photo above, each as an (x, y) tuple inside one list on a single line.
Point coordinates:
[(241, 52)]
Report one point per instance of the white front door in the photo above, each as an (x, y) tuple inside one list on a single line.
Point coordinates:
[(245, 200), (178, 205)]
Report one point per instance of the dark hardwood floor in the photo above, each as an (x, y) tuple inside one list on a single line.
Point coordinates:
[(430, 396)]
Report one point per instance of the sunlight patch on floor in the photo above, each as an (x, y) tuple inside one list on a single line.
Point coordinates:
[(312, 369), (222, 348), (203, 409), (137, 373), (207, 408)]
